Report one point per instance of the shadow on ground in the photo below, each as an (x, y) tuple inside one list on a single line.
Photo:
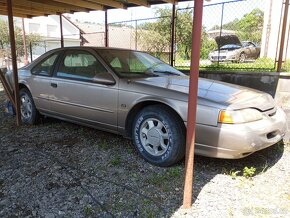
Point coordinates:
[(58, 169)]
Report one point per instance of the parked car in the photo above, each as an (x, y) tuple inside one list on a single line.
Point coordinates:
[(134, 94), (232, 49)]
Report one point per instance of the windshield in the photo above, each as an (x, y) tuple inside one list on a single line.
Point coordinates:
[(130, 64), (229, 46)]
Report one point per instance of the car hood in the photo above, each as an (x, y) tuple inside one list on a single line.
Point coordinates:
[(227, 40), (230, 96)]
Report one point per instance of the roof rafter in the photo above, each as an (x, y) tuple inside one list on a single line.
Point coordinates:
[(83, 4), (32, 8), (111, 3)]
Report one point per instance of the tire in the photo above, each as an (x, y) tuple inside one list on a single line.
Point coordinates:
[(242, 58), (159, 135), (29, 113)]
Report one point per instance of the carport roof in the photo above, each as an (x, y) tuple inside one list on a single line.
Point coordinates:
[(33, 8)]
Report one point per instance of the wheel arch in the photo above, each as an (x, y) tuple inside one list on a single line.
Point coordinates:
[(139, 106), (22, 86)]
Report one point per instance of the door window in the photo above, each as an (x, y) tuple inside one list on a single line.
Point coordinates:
[(45, 67), (79, 65)]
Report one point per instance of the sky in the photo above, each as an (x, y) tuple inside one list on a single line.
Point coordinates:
[(212, 13)]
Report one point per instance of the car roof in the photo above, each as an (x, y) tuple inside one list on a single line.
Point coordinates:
[(90, 47)]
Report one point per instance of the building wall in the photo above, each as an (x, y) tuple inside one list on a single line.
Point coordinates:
[(272, 30), (49, 29)]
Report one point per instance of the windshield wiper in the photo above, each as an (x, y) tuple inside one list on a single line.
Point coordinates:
[(167, 72)]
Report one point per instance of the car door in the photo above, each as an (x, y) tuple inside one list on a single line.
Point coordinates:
[(253, 50), (84, 90), (39, 82)]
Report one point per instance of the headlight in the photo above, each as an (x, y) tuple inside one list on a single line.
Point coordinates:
[(239, 116)]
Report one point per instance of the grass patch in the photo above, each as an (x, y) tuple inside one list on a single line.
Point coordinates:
[(259, 65), (164, 177), (116, 161), (88, 210), (103, 144)]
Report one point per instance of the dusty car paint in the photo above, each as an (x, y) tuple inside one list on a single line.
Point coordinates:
[(109, 107)]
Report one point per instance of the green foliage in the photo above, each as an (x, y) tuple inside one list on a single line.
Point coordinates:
[(234, 174), (116, 161), (5, 40), (88, 210), (249, 172), (155, 37), (207, 45), (249, 27)]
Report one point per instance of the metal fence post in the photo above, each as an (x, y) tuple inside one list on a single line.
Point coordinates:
[(283, 33), (61, 31), (172, 35), (30, 48), (221, 29), (24, 43), (106, 30), (136, 34)]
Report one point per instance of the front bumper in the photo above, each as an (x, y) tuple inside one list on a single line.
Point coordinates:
[(234, 141), (222, 58)]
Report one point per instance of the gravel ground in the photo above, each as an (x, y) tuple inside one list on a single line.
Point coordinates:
[(58, 169)]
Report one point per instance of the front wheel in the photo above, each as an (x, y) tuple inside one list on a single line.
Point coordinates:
[(29, 113), (159, 135)]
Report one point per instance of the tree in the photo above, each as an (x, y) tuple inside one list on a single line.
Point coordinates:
[(5, 40), (249, 27), (155, 37)]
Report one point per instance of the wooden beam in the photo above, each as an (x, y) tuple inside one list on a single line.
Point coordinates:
[(81, 3), (22, 7), (139, 2), (60, 7), (44, 6), (14, 61), (16, 14), (111, 3), (170, 1), (24, 11)]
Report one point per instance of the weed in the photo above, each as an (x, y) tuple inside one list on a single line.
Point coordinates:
[(116, 161), (234, 174), (174, 172), (88, 210), (104, 145), (249, 172)]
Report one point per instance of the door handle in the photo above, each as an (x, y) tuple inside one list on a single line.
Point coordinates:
[(54, 85)]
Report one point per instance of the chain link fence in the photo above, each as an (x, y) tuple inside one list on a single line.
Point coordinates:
[(151, 35), (231, 37), (238, 35)]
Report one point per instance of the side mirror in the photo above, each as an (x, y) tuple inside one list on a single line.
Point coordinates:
[(104, 78)]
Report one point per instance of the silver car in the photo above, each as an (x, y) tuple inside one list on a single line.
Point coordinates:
[(138, 96), (232, 49)]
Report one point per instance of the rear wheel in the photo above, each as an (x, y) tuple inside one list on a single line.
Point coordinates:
[(29, 113), (242, 58), (159, 135)]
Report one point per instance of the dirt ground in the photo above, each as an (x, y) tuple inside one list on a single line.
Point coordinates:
[(58, 169)]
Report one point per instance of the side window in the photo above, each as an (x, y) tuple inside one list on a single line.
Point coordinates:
[(45, 67), (79, 65)]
